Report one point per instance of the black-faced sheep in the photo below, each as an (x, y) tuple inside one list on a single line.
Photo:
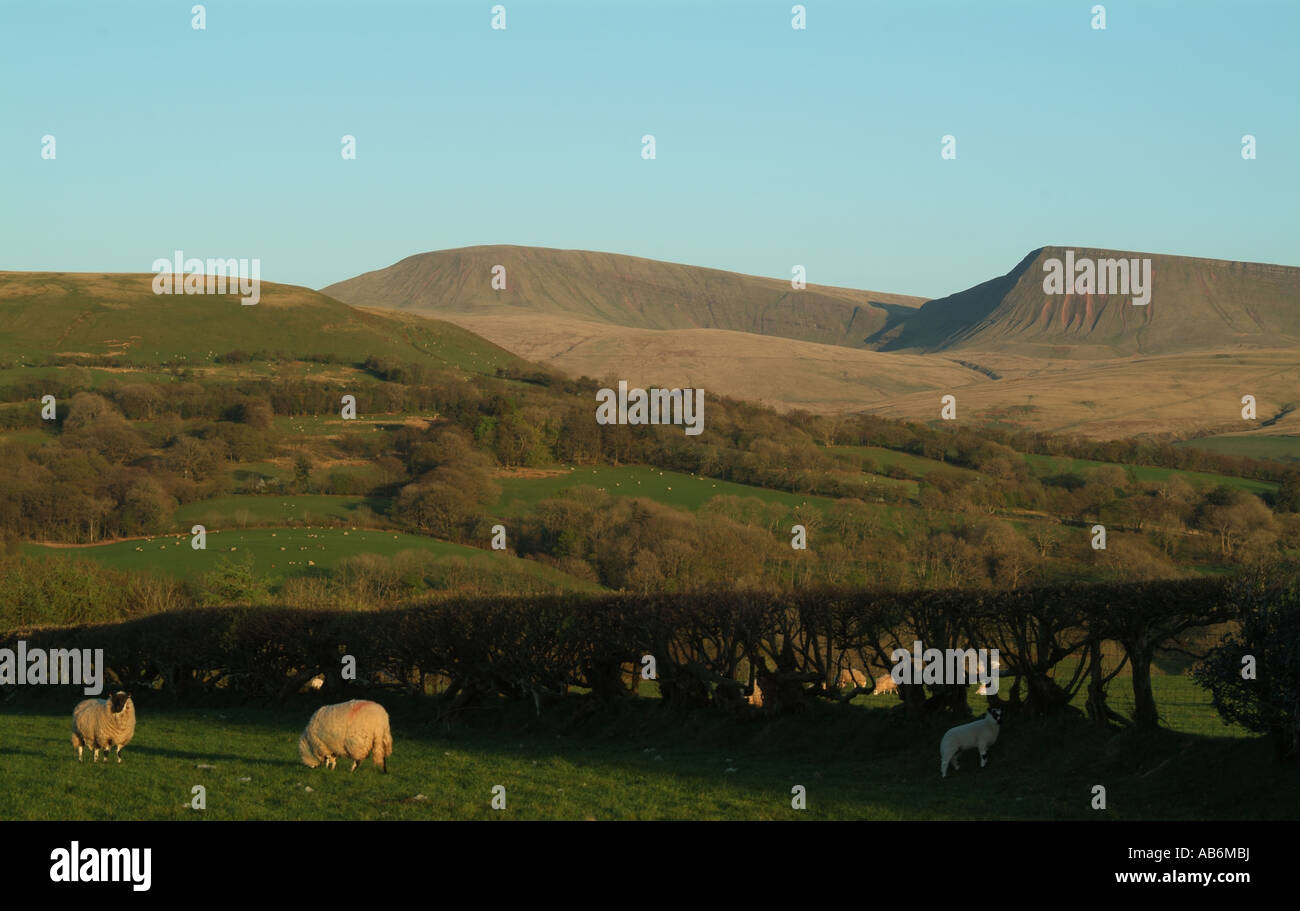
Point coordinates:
[(103, 723)]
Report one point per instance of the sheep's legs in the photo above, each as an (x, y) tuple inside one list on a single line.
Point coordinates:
[(95, 758), (355, 763), (984, 758), (119, 753), (945, 762)]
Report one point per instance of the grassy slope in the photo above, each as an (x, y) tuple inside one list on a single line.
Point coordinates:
[(1044, 465), (914, 465), (669, 487), (1196, 304), (247, 509), (48, 313), (1048, 465), (623, 291), (1278, 448), (286, 552)]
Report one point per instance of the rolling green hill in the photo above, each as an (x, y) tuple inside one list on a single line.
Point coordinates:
[(280, 553), (672, 488), (70, 315)]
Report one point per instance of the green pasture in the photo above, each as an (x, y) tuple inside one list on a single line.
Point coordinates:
[(865, 761), (685, 491), (1277, 448), (284, 552), (914, 465), (1045, 465), (248, 510)]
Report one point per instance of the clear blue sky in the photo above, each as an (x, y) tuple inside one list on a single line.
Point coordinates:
[(774, 146)]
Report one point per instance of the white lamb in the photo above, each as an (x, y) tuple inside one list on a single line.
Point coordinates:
[(980, 735), (354, 729)]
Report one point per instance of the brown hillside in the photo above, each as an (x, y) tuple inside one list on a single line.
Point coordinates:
[(624, 291)]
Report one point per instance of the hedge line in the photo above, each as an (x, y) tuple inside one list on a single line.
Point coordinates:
[(708, 648)]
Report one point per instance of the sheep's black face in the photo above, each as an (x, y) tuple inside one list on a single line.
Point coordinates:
[(118, 702), (996, 715)]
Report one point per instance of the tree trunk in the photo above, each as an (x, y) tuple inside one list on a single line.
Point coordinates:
[(1098, 711), (1144, 700)]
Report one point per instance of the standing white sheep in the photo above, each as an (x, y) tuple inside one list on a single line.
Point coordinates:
[(980, 735), (355, 729), (103, 723)]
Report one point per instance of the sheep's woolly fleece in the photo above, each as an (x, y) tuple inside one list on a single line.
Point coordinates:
[(103, 723), (355, 729), (980, 735)]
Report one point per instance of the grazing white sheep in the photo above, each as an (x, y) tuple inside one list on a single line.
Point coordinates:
[(852, 677), (885, 684), (103, 723), (355, 729), (980, 735)]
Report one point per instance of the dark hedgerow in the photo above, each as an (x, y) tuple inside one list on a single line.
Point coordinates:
[(1254, 675), (710, 649)]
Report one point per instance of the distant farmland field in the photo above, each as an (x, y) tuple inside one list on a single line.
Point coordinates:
[(668, 487), (1278, 448), (914, 465), (225, 512), (1049, 465), (287, 552)]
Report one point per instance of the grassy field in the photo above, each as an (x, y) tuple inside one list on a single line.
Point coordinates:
[(286, 552), (118, 315), (1278, 448), (916, 466), (862, 762), (1049, 465), (224, 512), (1044, 465), (669, 487)]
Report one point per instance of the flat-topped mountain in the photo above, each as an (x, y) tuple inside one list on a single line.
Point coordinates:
[(1192, 305)]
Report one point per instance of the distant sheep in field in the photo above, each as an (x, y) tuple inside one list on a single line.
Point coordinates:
[(852, 677), (355, 729), (885, 684), (103, 723), (977, 735)]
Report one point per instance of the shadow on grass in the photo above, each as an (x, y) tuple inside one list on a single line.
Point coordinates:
[(171, 753), (865, 762)]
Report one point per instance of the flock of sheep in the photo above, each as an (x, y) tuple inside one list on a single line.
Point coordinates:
[(355, 729), (359, 728)]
